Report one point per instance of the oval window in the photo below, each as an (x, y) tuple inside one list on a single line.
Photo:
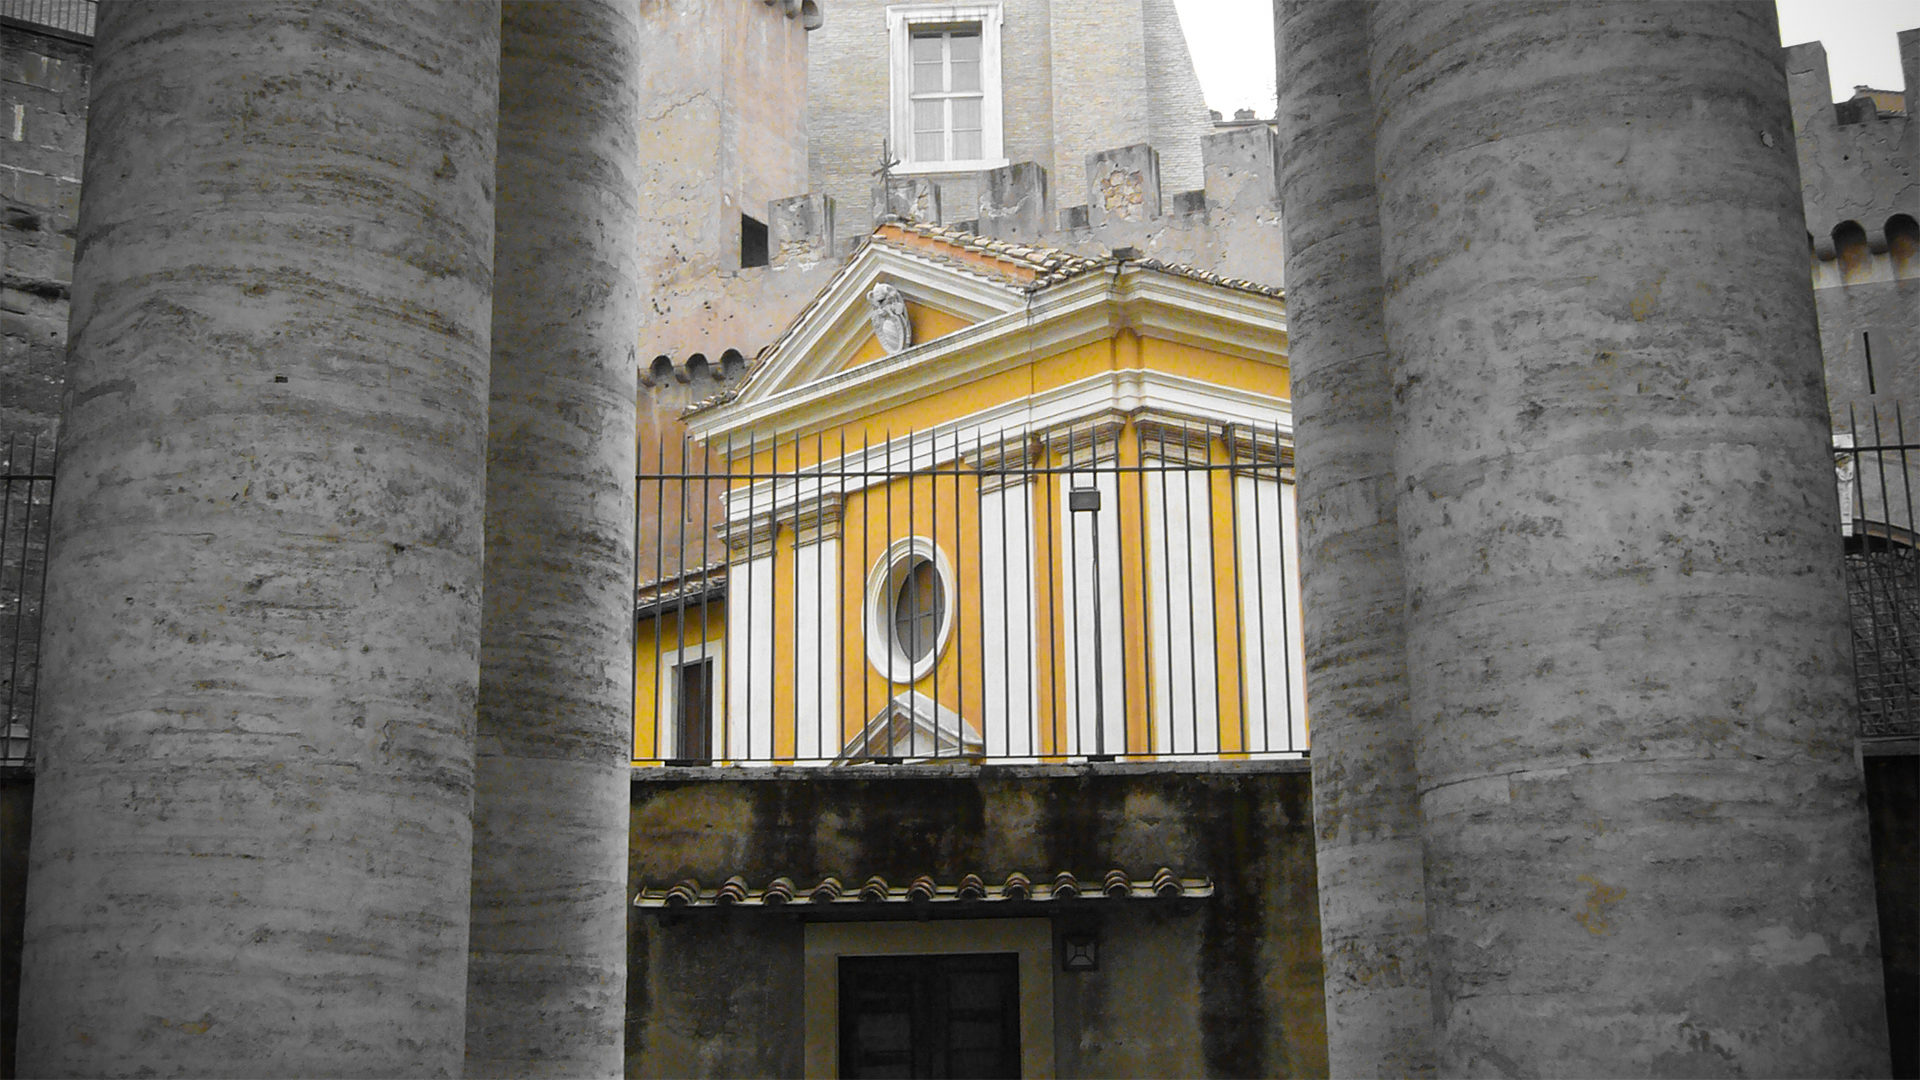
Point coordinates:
[(909, 609), (919, 607)]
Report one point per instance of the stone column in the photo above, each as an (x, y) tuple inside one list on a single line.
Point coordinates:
[(251, 827), (1646, 849), (1366, 801), (547, 989)]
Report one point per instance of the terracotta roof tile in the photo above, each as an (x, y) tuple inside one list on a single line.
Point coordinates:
[(1017, 887)]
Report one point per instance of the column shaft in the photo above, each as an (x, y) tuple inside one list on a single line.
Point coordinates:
[(251, 826), (1366, 799), (1627, 638), (547, 986)]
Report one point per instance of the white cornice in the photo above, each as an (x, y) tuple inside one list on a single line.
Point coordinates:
[(1107, 395), (1155, 304)]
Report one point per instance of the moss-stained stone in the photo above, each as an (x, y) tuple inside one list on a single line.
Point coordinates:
[(1228, 985)]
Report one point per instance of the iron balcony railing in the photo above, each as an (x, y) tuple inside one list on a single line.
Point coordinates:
[(26, 514), (1876, 463), (1123, 589)]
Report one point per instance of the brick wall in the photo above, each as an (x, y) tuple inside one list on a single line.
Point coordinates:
[(1100, 89), (1177, 117)]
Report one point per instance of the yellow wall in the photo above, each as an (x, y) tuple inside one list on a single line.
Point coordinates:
[(653, 639), (945, 508)]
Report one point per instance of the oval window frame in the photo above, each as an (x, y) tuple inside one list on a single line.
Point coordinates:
[(884, 579)]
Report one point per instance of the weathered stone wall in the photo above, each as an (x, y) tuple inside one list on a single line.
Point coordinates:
[(1223, 986), (43, 113), (1864, 170), (723, 131), (1861, 172)]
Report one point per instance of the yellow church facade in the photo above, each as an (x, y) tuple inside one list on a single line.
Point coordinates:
[(988, 501)]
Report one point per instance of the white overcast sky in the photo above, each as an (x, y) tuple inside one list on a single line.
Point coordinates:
[(1232, 44)]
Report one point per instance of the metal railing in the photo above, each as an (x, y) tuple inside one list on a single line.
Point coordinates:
[(26, 514), (1102, 591), (63, 18), (1877, 463)]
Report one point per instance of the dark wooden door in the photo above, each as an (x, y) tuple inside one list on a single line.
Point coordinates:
[(930, 1016)]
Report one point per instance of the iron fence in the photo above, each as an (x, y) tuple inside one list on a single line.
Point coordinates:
[(1125, 589), (63, 18), (26, 514), (1876, 463)]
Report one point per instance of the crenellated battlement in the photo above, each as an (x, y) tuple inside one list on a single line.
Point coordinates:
[(1859, 162), (1230, 226)]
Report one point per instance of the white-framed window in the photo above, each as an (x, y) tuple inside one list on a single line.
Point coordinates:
[(944, 86), (691, 680), (909, 609)]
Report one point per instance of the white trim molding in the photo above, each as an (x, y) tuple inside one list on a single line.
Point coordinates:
[(901, 19)]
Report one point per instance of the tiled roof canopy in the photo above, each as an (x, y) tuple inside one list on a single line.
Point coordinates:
[(829, 892)]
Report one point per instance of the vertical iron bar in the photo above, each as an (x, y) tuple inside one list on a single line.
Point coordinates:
[(746, 691), (1193, 645), (1287, 674), (1213, 586), (1239, 590), (40, 608), (934, 542), (1147, 548), (820, 590), (680, 559), (866, 531), (1007, 604), (1904, 705), (1166, 598), (633, 621), (793, 677), (1260, 594), (26, 543), (1072, 530), (1120, 594), (662, 725), (705, 753), (1056, 639), (885, 608), (1881, 573), (1099, 633), (959, 608)]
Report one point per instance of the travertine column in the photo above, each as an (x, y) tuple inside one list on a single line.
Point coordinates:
[(1366, 801), (548, 982), (1627, 641), (251, 826)]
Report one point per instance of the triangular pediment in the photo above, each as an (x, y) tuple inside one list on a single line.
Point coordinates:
[(835, 332), (977, 307)]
